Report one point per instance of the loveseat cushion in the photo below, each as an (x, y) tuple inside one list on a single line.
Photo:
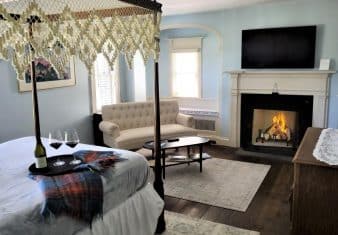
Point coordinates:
[(135, 138), (139, 114)]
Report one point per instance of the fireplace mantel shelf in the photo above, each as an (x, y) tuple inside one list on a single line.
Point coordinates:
[(280, 71)]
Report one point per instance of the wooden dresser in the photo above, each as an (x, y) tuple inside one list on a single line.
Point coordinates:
[(315, 191)]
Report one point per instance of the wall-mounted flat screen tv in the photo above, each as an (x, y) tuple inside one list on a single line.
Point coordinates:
[(289, 47)]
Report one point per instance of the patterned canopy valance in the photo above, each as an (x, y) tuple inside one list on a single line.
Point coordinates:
[(59, 29)]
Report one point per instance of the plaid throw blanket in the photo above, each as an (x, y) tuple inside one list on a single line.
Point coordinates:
[(96, 160), (78, 194)]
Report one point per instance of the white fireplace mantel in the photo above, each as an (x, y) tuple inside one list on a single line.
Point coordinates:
[(286, 82)]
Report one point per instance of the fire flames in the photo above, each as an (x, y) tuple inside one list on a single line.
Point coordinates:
[(279, 129), (279, 121)]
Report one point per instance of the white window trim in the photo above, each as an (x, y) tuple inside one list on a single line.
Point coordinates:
[(95, 109), (172, 50)]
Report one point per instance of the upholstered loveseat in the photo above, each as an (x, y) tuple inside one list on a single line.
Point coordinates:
[(130, 125)]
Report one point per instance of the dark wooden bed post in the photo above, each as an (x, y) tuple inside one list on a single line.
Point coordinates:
[(158, 183)]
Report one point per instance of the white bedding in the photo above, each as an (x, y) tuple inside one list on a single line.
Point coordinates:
[(126, 194)]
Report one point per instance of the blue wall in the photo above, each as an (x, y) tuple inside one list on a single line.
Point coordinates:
[(211, 60), (211, 64), (60, 108), (231, 22), (70, 106), (126, 81), (127, 86)]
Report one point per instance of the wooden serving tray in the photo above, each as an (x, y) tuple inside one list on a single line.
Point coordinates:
[(55, 170)]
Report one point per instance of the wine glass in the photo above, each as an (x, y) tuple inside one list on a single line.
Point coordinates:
[(71, 140), (55, 141)]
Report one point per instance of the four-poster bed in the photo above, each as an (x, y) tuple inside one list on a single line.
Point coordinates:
[(58, 29)]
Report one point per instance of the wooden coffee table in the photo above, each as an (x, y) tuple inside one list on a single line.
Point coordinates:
[(175, 143)]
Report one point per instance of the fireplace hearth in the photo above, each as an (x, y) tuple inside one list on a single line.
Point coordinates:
[(273, 123)]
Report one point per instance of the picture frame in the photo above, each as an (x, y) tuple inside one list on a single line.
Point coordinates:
[(47, 77)]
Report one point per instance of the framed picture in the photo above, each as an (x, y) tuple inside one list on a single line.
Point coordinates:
[(47, 77)]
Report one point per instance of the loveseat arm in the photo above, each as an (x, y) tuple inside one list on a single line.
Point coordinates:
[(185, 120), (109, 128)]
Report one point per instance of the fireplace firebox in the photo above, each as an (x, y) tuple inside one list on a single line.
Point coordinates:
[(273, 123)]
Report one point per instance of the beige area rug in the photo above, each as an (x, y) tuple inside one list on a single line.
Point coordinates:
[(178, 224), (223, 183)]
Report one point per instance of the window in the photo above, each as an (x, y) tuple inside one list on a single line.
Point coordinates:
[(186, 67), (139, 78), (105, 86)]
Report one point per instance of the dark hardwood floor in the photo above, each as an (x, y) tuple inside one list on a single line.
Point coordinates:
[(269, 211)]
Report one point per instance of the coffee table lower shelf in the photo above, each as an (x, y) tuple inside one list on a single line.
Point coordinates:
[(174, 160)]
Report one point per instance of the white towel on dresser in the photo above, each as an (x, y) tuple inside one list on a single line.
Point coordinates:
[(326, 149)]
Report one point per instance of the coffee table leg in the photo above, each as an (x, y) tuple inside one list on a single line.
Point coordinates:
[(201, 157), (188, 154), (163, 163)]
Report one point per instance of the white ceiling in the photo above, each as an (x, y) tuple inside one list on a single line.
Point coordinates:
[(173, 7)]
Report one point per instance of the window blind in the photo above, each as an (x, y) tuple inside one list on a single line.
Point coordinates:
[(186, 67), (106, 84)]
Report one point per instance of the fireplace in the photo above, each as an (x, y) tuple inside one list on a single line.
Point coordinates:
[(313, 85), (274, 123)]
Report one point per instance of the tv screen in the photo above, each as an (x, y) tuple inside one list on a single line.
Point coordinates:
[(290, 47)]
